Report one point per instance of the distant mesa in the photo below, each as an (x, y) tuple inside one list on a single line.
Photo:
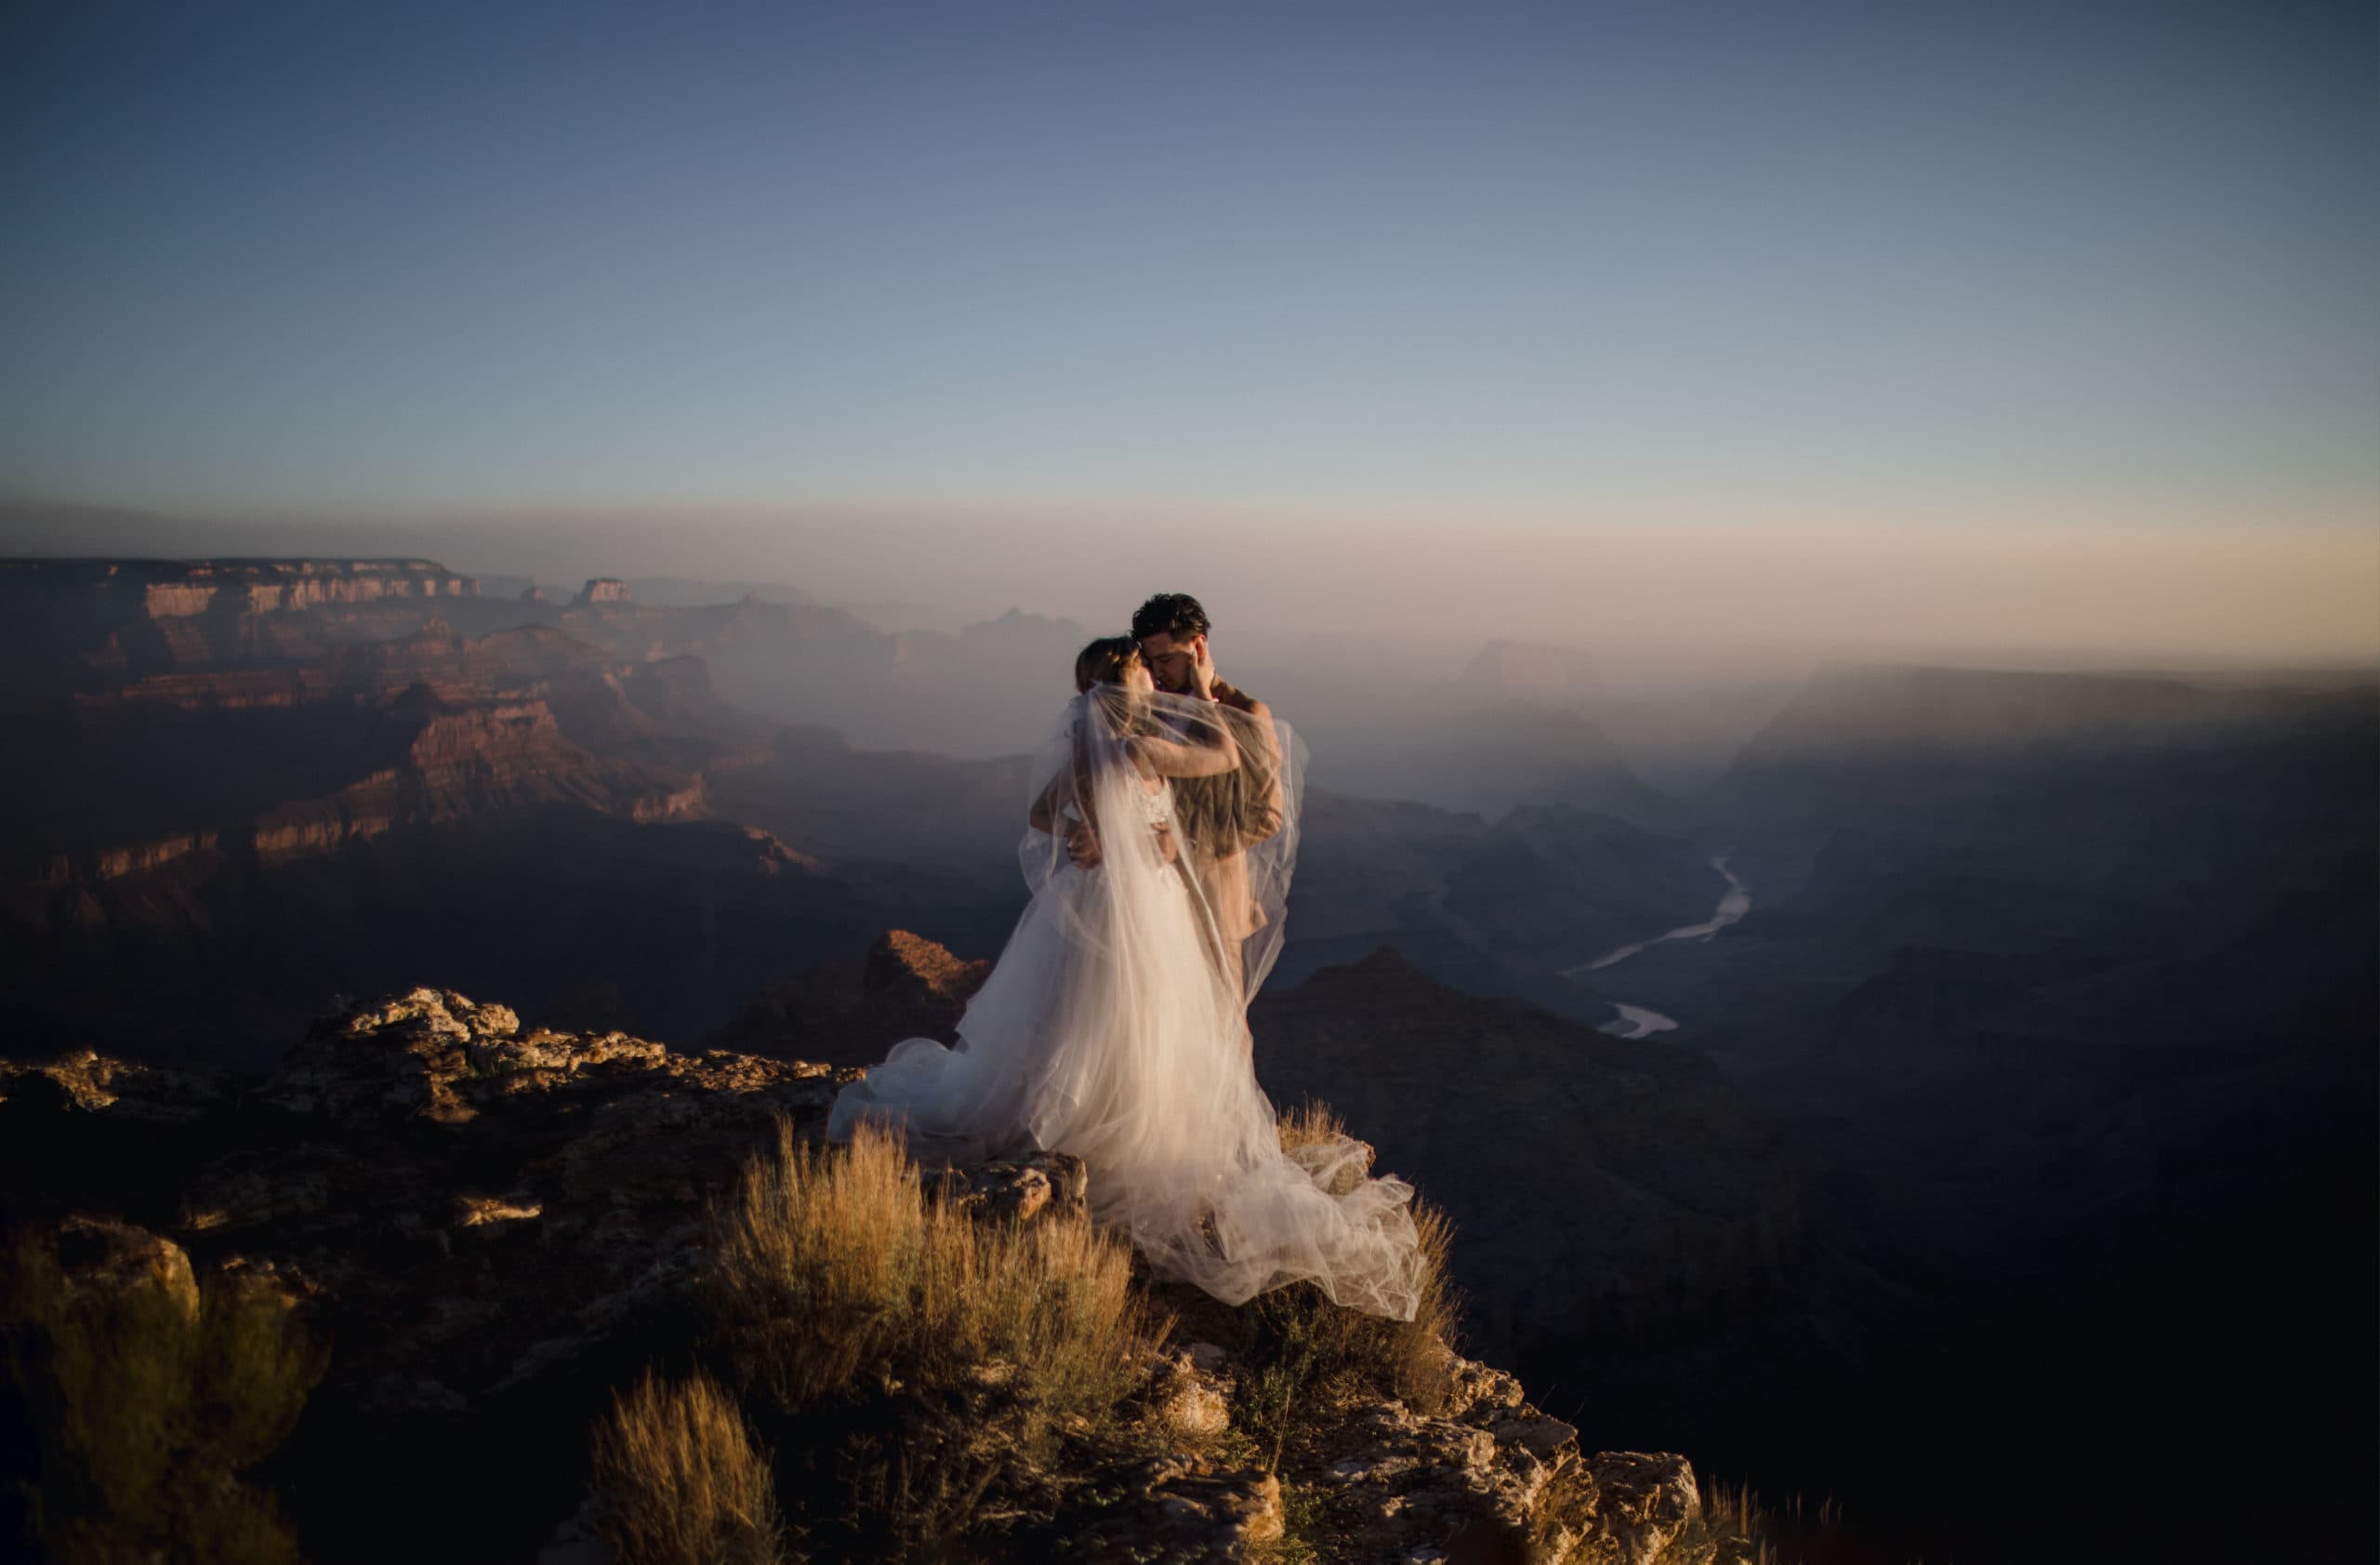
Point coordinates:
[(135, 590), (601, 590), (1555, 676), (1942, 714), (533, 593), (1017, 621), (678, 592)]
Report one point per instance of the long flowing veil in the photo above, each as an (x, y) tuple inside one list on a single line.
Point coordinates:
[(1237, 782), (1161, 839)]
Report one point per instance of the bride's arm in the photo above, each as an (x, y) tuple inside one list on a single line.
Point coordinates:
[(1047, 814), (1162, 757), (1043, 816)]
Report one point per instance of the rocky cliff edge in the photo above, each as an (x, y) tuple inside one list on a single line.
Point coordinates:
[(498, 1225)]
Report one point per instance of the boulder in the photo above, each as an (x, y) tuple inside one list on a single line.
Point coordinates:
[(100, 1257)]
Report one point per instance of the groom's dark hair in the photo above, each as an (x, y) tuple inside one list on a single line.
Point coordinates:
[(1169, 613)]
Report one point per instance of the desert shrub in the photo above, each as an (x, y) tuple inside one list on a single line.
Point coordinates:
[(910, 1356), (135, 1408), (831, 1272), (1308, 1123), (681, 1480)]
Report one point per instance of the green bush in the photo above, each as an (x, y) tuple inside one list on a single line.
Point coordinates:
[(135, 1407)]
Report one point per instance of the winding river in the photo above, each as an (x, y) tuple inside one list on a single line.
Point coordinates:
[(1636, 1021)]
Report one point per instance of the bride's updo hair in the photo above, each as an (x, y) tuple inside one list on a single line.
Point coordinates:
[(1104, 661)]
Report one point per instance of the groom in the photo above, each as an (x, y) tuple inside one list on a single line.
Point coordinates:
[(1220, 817)]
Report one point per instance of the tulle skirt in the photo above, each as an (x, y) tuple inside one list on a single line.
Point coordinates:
[(1103, 1031)]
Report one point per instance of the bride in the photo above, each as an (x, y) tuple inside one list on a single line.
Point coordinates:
[(1113, 1025)]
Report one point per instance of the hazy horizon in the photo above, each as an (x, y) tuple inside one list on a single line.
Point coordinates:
[(1657, 605), (2032, 330)]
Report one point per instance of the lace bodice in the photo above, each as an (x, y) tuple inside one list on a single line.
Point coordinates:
[(1157, 807)]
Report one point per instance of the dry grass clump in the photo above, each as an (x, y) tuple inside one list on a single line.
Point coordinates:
[(1747, 1529), (916, 1368), (1310, 1122), (1420, 1352), (932, 1381), (1733, 1527), (831, 1272), (133, 1409), (683, 1480)]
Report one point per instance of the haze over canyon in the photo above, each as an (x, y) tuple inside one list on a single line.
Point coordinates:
[(2018, 1022)]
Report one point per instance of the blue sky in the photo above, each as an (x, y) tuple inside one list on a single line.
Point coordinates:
[(1541, 265)]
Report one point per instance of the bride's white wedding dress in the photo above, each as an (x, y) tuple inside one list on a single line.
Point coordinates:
[(1109, 1029)]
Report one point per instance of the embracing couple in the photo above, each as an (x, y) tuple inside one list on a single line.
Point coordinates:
[(1230, 829), (1159, 839)]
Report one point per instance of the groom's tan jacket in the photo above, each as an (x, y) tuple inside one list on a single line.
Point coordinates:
[(1226, 813)]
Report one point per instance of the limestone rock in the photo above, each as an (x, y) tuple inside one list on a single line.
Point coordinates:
[(1178, 1508), (88, 1081), (1638, 1505), (397, 1057), (1493, 1472), (434, 1054), (1227, 1514), (1194, 1402), (1045, 1184)]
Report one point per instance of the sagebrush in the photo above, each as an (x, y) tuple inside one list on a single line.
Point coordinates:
[(684, 1480), (134, 1412)]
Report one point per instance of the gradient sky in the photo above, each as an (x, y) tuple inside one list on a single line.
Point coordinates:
[(2048, 262)]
